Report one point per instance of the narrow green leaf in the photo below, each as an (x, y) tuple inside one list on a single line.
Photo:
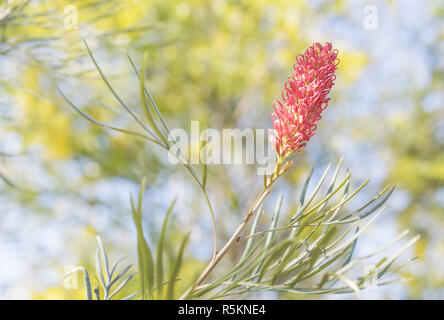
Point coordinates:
[(375, 207), (114, 92), (146, 108), (99, 270), (331, 187), (275, 254), (144, 255), (174, 272), (304, 189), (273, 225), (159, 252), (121, 286), (132, 295), (204, 164), (115, 265), (104, 257), (252, 231), (89, 118), (159, 114), (120, 275), (318, 186), (274, 220)]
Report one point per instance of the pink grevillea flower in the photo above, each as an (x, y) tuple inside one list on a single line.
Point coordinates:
[(304, 99)]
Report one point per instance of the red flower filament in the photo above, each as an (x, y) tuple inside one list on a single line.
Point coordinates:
[(304, 99)]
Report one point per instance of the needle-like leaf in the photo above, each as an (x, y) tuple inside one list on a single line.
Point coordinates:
[(159, 252), (176, 268)]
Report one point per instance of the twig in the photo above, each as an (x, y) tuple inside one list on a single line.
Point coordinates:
[(234, 238)]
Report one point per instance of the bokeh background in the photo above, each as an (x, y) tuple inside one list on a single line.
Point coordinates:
[(223, 63)]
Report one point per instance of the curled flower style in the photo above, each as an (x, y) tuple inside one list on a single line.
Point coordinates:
[(304, 99)]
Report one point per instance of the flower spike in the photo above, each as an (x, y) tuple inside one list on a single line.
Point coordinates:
[(304, 98)]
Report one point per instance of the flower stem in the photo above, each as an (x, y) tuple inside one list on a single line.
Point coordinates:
[(235, 237)]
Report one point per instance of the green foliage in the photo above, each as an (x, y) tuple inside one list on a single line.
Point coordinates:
[(310, 254), (159, 137), (152, 272), (311, 251), (109, 281), (176, 268), (144, 255), (160, 252)]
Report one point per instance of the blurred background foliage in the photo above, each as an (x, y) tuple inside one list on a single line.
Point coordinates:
[(223, 63)]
